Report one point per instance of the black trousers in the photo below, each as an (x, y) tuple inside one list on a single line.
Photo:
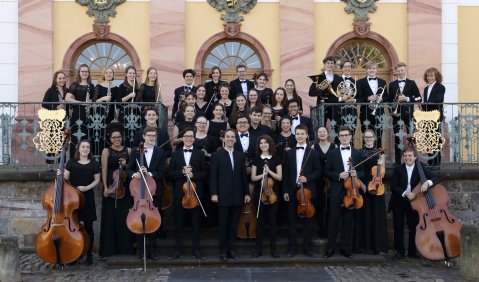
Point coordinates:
[(267, 215), (181, 214), (336, 211), (293, 219), (228, 217), (402, 210)]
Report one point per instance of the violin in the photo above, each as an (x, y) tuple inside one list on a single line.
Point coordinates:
[(376, 186), (189, 200), (268, 197), (438, 233), (143, 217), (62, 239), (352, 199), (117, 189), (305, 207)]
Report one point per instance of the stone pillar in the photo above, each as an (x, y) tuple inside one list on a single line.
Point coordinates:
[(469, 260), (9, 259), (297, 58)]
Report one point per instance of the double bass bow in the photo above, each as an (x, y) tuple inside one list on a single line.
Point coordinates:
[(62, 239)]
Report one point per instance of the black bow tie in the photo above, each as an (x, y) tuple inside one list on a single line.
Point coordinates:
[(401, 81), (244, 135), (295, 118), (372, 78), (346, 148), (188, 150), (299, 148), (243, 81)]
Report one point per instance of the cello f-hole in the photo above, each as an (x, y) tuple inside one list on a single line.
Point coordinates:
[(450, 220), (424, 218)]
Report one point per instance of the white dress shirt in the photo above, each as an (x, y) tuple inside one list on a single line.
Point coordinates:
[(244, 87), (299, 159), (429, 89), (329, 76), (231, 158), (187, 155), (294, 123), (244, 141), (373, 84), (345, 155)]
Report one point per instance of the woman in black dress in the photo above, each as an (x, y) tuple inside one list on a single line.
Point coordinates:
[(203, 141), (265, 94), (225, 100), (149, 90), (115, 237), (370, 230), (291, 93), (322, 146), (54, 99), (217, 124), (83, 172), (266, 165), (179, 126), (202, 107), (279, 104), (213, 86), (130, 113), (240, 108), (81, 90), (253, 99), (190, 100), (285, 140)]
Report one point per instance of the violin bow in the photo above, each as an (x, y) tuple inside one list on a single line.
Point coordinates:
[(261, 189), (363, 161), (169, 140), (194, 190)]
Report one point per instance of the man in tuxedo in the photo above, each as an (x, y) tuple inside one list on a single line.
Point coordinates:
[(405, 93), (326, 96), (152, 164), (228, 188), (301, 166), (192, 163), (369, 89), (338, 170), (405, 178), (349, 109), (180, 92), (245, 140), (256, 128), (162, 138), (241, 84), (297, 119)]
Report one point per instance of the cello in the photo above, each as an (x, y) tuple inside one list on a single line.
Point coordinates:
[(62, 239), (438, 234), (352, 199)]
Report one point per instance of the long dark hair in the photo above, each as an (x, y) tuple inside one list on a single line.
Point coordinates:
[(76, 157), (285, 98), (125, 82), (295, 94), (54, 82), (78, 77), (272, 148)]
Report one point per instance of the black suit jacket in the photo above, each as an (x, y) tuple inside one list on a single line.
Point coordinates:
[(399, 182), (155, 167), (313, 92), (411, 91), (311, 170), (308, 123), (231, 185), (178, 92), (251, 148), (175, 172), (364, 91), (236, 88), (334, 166), (436, 96)]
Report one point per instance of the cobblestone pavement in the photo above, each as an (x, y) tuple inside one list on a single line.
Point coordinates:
[(34, 269)]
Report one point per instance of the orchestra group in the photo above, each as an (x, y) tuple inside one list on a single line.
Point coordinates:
[(241, 149)]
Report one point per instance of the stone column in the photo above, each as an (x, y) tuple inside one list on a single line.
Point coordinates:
[(9, 259), (297, 45), (469, 260), (167, 44)]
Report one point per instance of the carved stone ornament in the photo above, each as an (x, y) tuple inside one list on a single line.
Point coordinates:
[(361, 29), (101, 9), (101, 30), (231, 29), (428, 139), (360, 8), (50, 137), (232, 8)]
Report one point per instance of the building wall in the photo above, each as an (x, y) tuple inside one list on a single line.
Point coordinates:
[(468, 41), (9, 50)]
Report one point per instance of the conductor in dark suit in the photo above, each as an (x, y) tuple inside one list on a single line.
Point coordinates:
[(241, 84), (180, 92), (229, 188), (301, 166), (153, 160), (404, 93), (297, 119), (337, 169), (403, 181), (191, 162)]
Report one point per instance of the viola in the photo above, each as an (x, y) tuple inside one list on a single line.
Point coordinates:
[(62, 239), (143, 217), (438, 234), (352, 199), (189, 200), (376, 186), (305, 207), (117, 188)]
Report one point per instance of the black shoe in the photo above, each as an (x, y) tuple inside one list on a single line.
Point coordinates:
[(413, 255), (199, 255), (309, 253), (175, 255), (223, 257), (89, 259), (256, 254), (398, 256), (328, 253), (232, 254), (291, 253), (346, 254), (274, 254)]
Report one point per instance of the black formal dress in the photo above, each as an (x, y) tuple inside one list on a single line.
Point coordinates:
[(230, 183), (106, 112), (334, 166), (436, 96), (50, 102), (265, 95), (404, 112), (213, 91), (311, 170), (180, 93), (284, 144), (175, 172), (214, 130), (237, 88), (130, 113), (401, 206), (115, 237)]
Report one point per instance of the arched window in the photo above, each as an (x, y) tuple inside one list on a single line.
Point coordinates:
[(227, 55), (359, 52), (100, 55)]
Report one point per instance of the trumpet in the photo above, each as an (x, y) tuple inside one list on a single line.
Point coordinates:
[(375, 105), (396, 103)]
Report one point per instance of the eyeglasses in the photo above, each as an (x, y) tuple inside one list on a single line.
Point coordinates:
[(267, 114), (242, 122), (150, 135), (200, 122), (344, 135), (115, 137), (188, 136), (368, 137)]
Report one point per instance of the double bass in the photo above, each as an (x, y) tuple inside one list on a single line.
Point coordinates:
[(62, 239), (438, 234), (247, 222)]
